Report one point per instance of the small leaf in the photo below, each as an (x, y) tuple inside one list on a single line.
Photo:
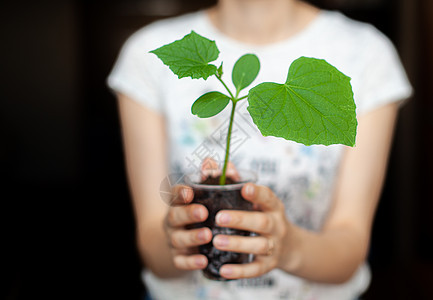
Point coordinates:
[(245, 71), (220, 70), (190, 56), (209, 104), (314, 106)]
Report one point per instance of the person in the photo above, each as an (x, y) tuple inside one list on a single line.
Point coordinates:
[(317, 202)]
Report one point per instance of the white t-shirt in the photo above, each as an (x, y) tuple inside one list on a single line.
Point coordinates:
[(303, 177)]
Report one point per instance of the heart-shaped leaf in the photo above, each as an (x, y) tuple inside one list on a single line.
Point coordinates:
[(314, 106), (190, 56), (245, 71), (209, 104)]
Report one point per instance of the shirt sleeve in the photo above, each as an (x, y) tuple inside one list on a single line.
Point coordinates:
[(383, 79), (135, 73)]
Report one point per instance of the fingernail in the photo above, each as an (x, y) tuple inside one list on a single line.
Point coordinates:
[(226, 271), (200, 261), (201, 235), (249, 189), (205, 172), (197, 213), (221, 241), (184, 194), (222, 218), (230, 172), (214, 173)]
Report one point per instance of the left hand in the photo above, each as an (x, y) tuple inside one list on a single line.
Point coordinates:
[(271, 247)]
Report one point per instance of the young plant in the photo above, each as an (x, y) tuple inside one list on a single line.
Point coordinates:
[(313, 106)]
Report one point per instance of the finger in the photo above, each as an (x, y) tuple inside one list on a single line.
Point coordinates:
[(262, 196), (182, 238), (254, 221), (190, 262), (232, 172), (254, 269), (181, 195), (178, 216), (258, 245), (209, 167)]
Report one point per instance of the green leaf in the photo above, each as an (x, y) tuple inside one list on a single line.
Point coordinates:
[(314, 106), (245, 71), (220, 70), (190, 56), (209, 104)]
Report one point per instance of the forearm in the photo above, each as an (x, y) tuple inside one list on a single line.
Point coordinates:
[(334, 254), (330, 257), (144, 140)]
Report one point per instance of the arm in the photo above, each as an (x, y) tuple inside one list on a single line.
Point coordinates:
[(158, 224), (344, 240), (333, 254), (145, 154)]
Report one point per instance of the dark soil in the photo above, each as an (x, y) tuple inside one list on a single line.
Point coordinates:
[(216, 180)]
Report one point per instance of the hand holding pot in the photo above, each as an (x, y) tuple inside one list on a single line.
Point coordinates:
[(181, 213), (182, 241), (270, 222)]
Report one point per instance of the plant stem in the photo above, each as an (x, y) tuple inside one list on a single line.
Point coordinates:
[(223, 83), (229, 134)]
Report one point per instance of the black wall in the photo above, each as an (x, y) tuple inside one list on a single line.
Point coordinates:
[(68, 225)]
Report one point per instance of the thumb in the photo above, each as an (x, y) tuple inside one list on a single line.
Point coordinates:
[(209, 167)]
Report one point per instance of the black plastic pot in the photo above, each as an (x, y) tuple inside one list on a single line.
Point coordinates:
[(216, 198)]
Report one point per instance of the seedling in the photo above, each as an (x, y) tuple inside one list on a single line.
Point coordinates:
[(313, 106)]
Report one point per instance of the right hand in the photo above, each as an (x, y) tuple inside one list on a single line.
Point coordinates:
[(183, 242)]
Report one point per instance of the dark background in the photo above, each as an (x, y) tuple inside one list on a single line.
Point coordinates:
[(68, 228)]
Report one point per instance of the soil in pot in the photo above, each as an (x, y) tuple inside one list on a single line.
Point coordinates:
[(215, 198)]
